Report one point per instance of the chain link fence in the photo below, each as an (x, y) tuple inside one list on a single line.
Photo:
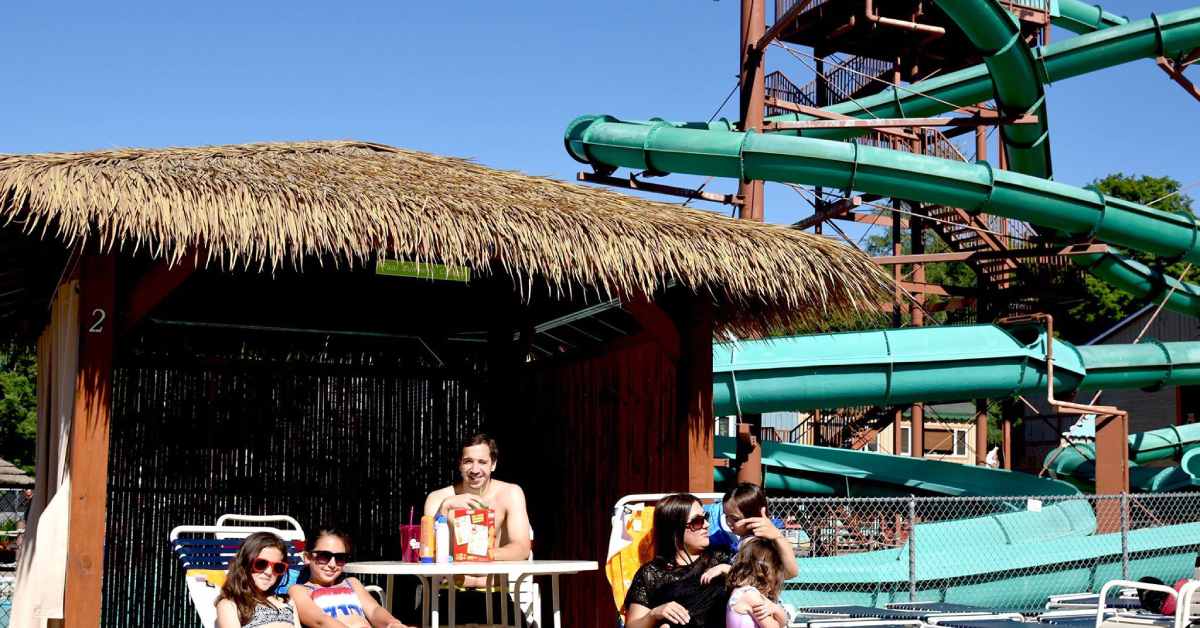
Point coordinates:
[(13, 504), (1008, 553)]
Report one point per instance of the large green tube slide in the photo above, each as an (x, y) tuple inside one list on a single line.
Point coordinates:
[(931, 364), (606, 142), (792, 469)]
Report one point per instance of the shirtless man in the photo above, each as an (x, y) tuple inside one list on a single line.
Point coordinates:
[(477, 489)]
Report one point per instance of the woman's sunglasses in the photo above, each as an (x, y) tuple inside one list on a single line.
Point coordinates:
[(322, 557), (261, 564), (697, 523)]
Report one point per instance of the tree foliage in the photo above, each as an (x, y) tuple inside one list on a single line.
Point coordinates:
[(1105, 305), (18, 405)]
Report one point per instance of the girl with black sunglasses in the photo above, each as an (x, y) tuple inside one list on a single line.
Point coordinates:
[(329, 598), (247, 598), (668, 590)]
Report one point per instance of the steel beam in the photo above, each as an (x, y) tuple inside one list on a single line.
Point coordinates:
[(633, 183), (968, 124)]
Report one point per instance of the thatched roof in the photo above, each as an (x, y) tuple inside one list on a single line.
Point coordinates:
[(266, 205), (11, 476)]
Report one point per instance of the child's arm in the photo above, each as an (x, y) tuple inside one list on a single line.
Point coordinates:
[(768, 614), (227, 615), (713, 572), (377, 615)]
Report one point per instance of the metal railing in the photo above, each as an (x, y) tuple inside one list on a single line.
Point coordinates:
[(1002, 552)]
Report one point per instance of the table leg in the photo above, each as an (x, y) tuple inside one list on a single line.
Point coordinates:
[(450, 604), (435, 583), (519, 619), (503, 599), (424, 601), (487, 598), (554, 592), (388, 593)]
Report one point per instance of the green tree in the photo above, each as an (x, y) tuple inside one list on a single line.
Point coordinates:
[(18, 405), (955, 274), (1105, 305)]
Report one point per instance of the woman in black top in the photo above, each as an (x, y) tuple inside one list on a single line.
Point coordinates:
[(668, 590)]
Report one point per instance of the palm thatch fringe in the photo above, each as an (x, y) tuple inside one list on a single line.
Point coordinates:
[(265, 205)]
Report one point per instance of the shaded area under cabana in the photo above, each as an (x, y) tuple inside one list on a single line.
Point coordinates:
[(223, 329)]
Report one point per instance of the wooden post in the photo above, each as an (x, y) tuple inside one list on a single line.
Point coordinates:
[(897, 441), (695, 326), (1009, 413), (88, 455), (1112, 454), (981, 432), (917, 314), (753, 93)]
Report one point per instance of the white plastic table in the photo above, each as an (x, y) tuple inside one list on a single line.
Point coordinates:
[(503, 571)]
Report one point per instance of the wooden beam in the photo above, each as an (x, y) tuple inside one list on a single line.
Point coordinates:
[(834, 210), (88, 455), (874, 220), (896, 123), (924, 258), (928, 288), (152, 289), (1176, 75), (780, 24), (822, 114), (637, 184), (929, 258)]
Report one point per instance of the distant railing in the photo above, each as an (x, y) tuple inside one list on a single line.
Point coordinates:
[(783, 6)]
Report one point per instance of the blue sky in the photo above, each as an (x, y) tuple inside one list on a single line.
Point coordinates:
[(495, 81)]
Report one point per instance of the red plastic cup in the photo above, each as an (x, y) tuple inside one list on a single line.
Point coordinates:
[(410, 543)]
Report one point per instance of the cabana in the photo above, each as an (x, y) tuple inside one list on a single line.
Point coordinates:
[(311, 328)]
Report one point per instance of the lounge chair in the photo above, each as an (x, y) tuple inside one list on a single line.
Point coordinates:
[(1186, 609), (204, 553), (629, 544)]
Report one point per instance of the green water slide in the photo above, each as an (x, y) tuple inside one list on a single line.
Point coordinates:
[(1077, 460), (829, 471), (1018, 90), (930, 364), (1081, 17), (935, 364), (609, 143)]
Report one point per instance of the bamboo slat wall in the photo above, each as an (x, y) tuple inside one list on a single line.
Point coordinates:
[(326, 436)]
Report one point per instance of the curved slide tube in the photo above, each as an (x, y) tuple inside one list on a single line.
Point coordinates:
[(929, 364), (1013, 68), (1015, 574), (1178, 442), (609, 143), (1018, 91), (1080, 17), (829, 471)]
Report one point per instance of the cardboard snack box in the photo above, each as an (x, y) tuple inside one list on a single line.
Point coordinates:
[(474, 534)]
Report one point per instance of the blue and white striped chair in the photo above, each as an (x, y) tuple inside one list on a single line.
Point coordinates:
[(204, 553)]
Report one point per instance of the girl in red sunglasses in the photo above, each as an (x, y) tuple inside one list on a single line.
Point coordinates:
[(247, 598)]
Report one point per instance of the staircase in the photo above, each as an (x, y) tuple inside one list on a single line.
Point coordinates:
[(848, 78), (849, 428)]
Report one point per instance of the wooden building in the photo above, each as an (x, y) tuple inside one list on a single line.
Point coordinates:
[(310, 328)]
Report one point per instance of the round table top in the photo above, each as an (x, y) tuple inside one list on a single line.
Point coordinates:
[(471, 568)]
